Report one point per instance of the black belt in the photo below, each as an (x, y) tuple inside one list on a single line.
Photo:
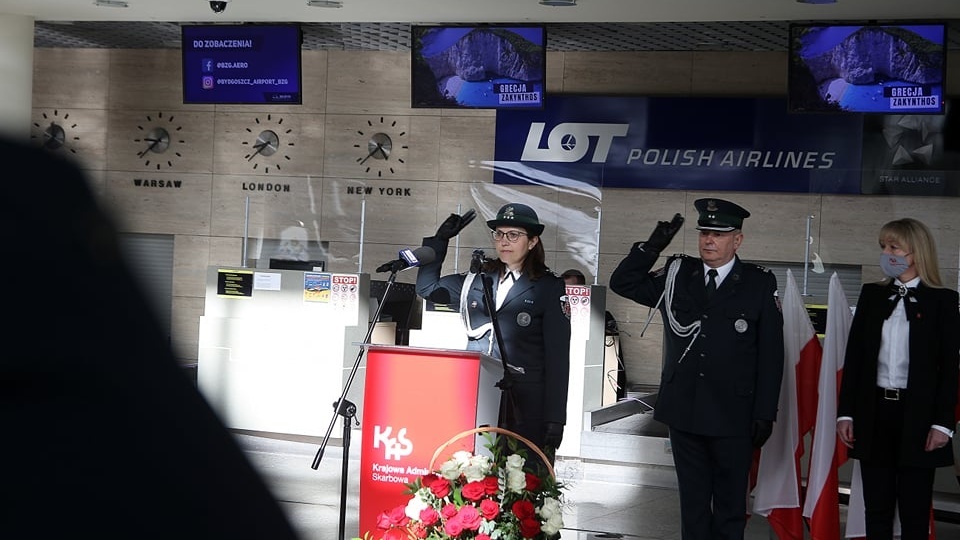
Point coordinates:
[(892, 394)]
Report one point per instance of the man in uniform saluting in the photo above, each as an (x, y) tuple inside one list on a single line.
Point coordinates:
[(722, 361)]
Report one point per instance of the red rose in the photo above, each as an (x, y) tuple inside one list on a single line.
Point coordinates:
[(523, 509), (482, 536), (398, 516), (448, 511), (491, 484), (529, 527), (394, 516), (474, 491), (429, 516), (533, 482), (453, 526), (428, 479), (396, 533), (469, 517), (440, 487), (489, 509)]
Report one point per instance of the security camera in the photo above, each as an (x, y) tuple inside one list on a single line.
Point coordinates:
[(218, 6)]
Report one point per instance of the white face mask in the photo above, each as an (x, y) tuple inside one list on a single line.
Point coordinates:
[(893, 265)]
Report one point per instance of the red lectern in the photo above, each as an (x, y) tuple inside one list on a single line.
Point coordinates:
[(416, 399)]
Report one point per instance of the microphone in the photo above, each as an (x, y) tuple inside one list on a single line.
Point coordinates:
[(409, 258), (476, 262)]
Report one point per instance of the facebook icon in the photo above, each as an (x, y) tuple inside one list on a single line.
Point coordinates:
[(207, 65)]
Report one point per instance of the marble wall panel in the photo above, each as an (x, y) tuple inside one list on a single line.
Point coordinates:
[(70, 78), (370, 84), (295, 143), (555, 67), (226, 251), (627, 72), (191, 256), (738, 73), (189, 137), (160, 202), (630, 215), (148, 79), (83, 131), (465, 148)]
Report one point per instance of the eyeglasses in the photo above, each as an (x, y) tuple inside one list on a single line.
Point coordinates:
[(512, 236)]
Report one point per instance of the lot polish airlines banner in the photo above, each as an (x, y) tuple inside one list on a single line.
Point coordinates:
[(731, 144)]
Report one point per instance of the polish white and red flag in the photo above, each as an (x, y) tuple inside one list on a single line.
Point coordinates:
[(777, 492), (822, 504)]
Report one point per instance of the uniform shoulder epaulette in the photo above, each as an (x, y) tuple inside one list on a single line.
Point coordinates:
[(759, 267)]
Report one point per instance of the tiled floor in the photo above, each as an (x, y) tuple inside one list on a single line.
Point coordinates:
[(595, 509)]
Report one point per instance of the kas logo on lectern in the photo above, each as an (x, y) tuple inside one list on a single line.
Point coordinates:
[(393, 448), (570, 141)]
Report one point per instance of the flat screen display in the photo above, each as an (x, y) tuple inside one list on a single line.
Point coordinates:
[(242, 63), (478, 67), (867, 68)]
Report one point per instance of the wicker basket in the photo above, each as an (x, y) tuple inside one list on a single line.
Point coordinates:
[(486, 429)]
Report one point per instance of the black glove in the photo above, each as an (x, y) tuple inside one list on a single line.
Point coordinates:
[(454, 224), (761, 432), (663, 234), (552, 435)]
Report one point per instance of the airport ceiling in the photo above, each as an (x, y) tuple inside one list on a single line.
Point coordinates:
[(384, 25)]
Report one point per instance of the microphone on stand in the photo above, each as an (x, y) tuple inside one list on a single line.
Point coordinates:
[(476, 263), (410, 258)]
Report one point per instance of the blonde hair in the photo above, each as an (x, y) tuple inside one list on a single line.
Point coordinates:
[(915, 237)]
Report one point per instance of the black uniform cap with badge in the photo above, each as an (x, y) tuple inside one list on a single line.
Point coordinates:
[(517, 215), (719, 215)]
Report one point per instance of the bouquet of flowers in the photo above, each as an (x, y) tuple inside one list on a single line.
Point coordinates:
[(478, 497)]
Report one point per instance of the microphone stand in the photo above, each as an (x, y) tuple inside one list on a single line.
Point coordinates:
[(508, 407), (348, 410)]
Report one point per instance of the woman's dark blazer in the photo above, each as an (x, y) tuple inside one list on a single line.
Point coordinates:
[(931, 393)]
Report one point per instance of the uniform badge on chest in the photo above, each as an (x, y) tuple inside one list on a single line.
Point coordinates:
[(740, 326), (523, 319)]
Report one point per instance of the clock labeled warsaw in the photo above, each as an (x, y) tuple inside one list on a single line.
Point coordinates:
[(160, 141), (268, 143), (381, 146)]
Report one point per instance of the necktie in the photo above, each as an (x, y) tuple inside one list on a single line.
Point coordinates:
[(711, 282)]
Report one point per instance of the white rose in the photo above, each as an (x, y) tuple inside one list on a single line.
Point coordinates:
[(552, 525), (450, 470), (516, 480), (414, 506), (550, 508), (514, 462), (477, 468)]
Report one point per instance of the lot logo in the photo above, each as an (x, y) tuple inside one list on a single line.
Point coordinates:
[(393, 448), (570, 141)]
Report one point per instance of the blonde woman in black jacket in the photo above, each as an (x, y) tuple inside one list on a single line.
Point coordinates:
[(899, 386)]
